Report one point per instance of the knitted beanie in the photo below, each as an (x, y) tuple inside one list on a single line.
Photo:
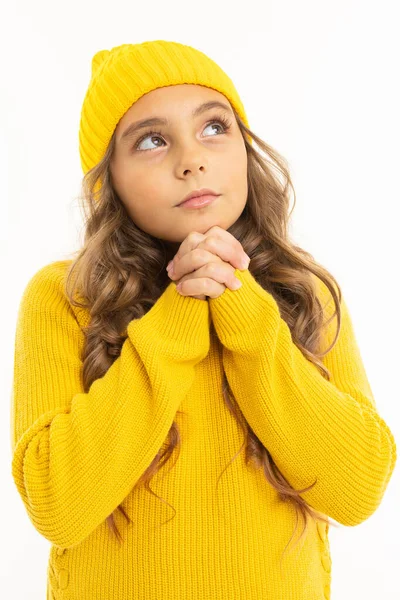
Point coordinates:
[(122, 75)]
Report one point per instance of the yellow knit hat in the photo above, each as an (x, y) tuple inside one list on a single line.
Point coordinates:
[(122, 75)]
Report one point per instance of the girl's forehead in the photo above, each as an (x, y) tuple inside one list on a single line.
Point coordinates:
[(192, 99)]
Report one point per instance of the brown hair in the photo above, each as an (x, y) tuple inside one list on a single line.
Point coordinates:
[(120, 273)]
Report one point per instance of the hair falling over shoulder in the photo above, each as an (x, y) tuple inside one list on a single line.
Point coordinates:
[(120, 273)]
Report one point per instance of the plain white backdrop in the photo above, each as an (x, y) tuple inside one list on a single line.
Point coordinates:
[(320, 83)]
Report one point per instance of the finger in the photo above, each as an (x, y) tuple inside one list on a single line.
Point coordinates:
[(220, 272), (192, 261), (192, 240), (227, 237), (226, 251), (202, 286)]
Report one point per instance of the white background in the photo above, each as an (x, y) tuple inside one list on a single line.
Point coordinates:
[(320, 83)]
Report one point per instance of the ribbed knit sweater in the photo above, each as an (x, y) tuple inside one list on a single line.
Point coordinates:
[(77, 456)]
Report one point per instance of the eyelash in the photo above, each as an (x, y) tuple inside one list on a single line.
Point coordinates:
[(221, 120)]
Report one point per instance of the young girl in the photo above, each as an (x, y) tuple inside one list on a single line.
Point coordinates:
[(171, 429)]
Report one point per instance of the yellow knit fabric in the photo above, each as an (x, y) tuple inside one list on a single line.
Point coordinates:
[(122, 75), (77, 456)]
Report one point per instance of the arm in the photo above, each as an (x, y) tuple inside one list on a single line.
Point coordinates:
[(77, 455), (313, 428)]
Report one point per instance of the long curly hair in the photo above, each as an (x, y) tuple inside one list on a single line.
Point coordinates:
[(119, 273)]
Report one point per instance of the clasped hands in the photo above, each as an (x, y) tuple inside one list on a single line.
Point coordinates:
[(205, 263)]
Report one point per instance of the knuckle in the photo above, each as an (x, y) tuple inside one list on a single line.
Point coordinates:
[(215, 231), (214, 242), (204, 246), (198, 254), (211, 268), (194, 237), (210, 241)]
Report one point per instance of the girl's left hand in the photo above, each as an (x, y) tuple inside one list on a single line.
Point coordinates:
[(205, 263)]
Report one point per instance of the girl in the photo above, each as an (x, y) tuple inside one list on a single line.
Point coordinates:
[(238, 376)]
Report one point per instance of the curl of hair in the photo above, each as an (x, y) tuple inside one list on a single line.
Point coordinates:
[(119, 273)]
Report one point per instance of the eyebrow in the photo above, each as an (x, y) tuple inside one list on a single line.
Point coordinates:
[(133, 127)]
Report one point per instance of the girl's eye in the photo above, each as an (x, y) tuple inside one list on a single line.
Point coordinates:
[(221, 121)]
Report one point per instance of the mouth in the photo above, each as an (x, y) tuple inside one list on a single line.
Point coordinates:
[(199, 201), (197, 194)]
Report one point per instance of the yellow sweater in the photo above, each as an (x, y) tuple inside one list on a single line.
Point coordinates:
[(77, 456)]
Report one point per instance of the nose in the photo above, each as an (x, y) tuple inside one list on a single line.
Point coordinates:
[(193, 169), (192, 159)]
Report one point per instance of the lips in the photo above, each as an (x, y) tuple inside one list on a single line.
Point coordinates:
[(198, 201), (198, 193)]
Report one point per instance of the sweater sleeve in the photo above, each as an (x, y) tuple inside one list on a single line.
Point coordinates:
[(77, 455), (314, 429)]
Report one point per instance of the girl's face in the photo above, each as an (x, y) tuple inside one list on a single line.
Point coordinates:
[(153, 172)]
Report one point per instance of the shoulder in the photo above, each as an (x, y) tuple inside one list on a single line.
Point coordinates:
[(45, 291), (46, 280), (54, 271)]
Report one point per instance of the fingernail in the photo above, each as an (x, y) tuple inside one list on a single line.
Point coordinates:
[(236, 284), (169, 265)]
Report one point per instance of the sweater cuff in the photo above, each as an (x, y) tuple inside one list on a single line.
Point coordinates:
[(178, 325), (240, 312)]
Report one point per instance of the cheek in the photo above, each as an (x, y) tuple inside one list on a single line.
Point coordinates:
[(142, 183), (150, 199), (239, 177), (236, 169)]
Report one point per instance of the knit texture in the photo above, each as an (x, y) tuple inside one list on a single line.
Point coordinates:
[(122, 75), (77, 456)]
